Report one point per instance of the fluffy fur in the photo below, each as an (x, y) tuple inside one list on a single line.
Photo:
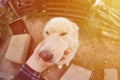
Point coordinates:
[(61, 34)]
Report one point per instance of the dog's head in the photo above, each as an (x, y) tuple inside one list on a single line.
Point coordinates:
[(59, 35)]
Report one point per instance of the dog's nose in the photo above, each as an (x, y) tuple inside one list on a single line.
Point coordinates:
[(46, 55)]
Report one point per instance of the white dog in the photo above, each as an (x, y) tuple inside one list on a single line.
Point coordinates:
[(60, 34)]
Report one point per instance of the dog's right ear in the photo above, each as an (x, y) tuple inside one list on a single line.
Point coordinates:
[(45, 33)]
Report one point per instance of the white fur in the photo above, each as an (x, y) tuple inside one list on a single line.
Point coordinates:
[(57, 43)]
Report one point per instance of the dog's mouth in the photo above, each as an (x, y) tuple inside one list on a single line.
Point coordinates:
[(66, 52)]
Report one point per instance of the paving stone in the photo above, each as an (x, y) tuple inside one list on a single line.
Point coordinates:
[(76, 73), (110, 74), (18, 48)]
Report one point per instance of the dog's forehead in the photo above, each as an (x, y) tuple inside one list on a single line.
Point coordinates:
[(58, 24)]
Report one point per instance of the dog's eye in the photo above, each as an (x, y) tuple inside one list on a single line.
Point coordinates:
[(63, 34), (47, 33)]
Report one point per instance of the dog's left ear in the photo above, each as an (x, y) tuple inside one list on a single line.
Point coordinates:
[(75, 27), (75, 30)]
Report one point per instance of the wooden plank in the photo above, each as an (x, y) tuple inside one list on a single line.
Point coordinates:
[(76, 73)]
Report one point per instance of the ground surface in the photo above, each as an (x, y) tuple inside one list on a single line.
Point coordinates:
[(95, 53)]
